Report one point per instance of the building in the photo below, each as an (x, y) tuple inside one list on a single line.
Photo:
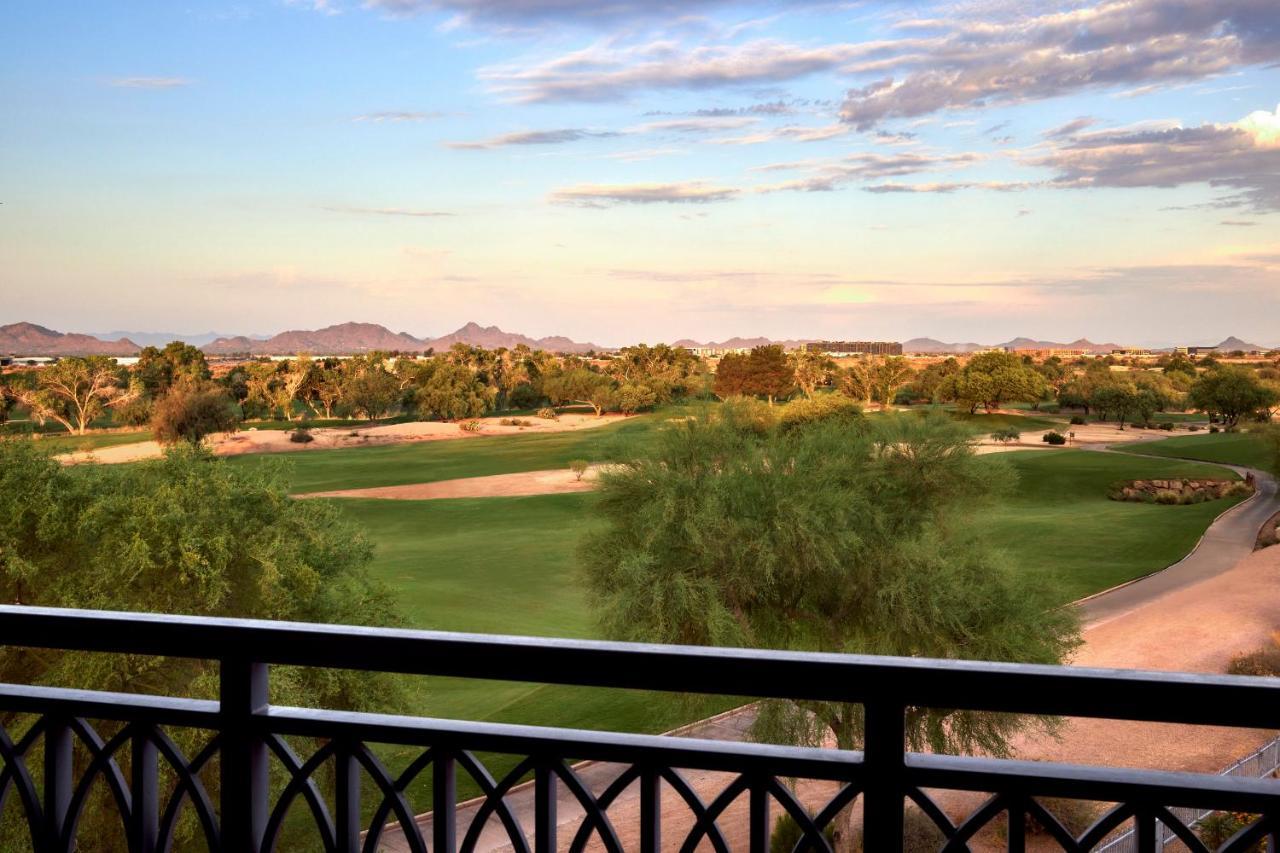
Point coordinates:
[(843, 348)]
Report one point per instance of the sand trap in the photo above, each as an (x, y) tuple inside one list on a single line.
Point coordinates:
[(250, 440), (1086, 434), (498, 485)]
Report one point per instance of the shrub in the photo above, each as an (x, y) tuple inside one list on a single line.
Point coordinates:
[(1006, 435), (190, 414), (1264, 661), (1167, 426), (787, 832), (1214, 429), (470, 426), (578, 467), (301, 435), (1216, 829), (919, 833), (1077, 420), (820, 408), (548, 414), (524, 396), (1055, 438), (1193, 428), (515, 422)]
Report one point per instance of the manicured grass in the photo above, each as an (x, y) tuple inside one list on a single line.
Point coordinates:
[(983, 424), (64, 443), (1234, 448), (1059, 522), (431, 461)]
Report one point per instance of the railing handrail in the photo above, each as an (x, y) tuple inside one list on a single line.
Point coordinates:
[(1155, 696)]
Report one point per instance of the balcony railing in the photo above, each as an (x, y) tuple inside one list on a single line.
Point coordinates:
[(52, 765)]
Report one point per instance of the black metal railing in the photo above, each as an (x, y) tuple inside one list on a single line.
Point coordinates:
[(248, 737)]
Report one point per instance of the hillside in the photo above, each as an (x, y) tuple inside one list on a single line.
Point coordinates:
[(931, 345), (342, 339), (32, 340), (491, 337)]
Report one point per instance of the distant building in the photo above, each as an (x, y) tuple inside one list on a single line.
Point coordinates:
[(843, 348)]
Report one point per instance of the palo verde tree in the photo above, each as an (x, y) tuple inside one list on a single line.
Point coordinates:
[(452, 392), (190, 413), (581, 385), (991, 379), (1231, 393), (185, 534), (842, 535)]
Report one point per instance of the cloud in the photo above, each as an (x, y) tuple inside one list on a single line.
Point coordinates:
[(607, 71), (1244, 157), (609, 195), (386, 211), (1138, 43), (1238, 223), (1071, 128), (525, 13), (825, 176), (534, 137), (948, 187), (794, 133), (150, 82), (696, 124), (396, 116)]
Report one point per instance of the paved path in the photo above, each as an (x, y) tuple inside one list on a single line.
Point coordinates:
[(1225, 543)]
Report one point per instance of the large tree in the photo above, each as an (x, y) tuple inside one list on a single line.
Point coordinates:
[(844, 535), (991, 379), (186, 534), (75, 391), (451, 392), (190, 413), (1231, 393), (368, 387), (812, 369), (581, 385)]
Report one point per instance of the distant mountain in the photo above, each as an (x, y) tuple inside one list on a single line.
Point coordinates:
[(741, 343), (1082, 344), (159, 339), (1233, 343), (491, 337), (342, 339), (30, 339), (930, 345)]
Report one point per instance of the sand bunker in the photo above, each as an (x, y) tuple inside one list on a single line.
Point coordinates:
[(496, 486)]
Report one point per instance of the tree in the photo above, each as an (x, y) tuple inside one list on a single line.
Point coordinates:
[(74, 391), (929, 382), (1114, 398), (367, 386), (188, 534), (995, 378), (1231, 393), (731, 376), (635, 397), (812, 369), (453, 392), (665, 370), (160, 369), (887, 376), (846, 535), (580, 385), (769, 373), (190, 413)]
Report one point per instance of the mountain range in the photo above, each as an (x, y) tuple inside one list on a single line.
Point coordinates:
[(29, 339)]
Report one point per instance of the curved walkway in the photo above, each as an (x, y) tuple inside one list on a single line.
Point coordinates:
[(1228, 540)]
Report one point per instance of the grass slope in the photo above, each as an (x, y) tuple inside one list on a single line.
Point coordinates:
[(1059, 522), (431, 461), (1233, 448)]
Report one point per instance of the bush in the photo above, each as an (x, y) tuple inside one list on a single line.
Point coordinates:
[(301, 435), (515, 422), (470, 426), (548, 414), (919, 833), (190, 414), (1055, 438), (824, 407), (1214, 429), (1216, 829), (1077, 420), (524, 396), (787, 832), (578, 467), (1264, 661), (1193, 428), (1006, 435)]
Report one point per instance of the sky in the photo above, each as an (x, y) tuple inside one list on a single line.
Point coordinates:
[(645, 170)]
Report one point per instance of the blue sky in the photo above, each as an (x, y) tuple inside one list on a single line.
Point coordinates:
[(628, 170)]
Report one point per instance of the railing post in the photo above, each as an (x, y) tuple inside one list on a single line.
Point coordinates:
[(882, 803), (444, 803), (346, 799), (57, 782), (243, 694), (144, 822), (650, 811), (544, 822), (759, 816)]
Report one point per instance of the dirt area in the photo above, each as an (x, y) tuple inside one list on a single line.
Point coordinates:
[(497, 485), (250, 440), (1104, 434)]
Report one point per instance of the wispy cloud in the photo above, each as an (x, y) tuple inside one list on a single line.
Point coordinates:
[(385, 211), (150, 82), (534, 137), (608, 195), (397, 117), (828, 175)]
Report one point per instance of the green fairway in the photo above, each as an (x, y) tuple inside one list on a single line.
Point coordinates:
[(431, 461), (64, 443), (1059, 521), (983, 424), (1233, 448)]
